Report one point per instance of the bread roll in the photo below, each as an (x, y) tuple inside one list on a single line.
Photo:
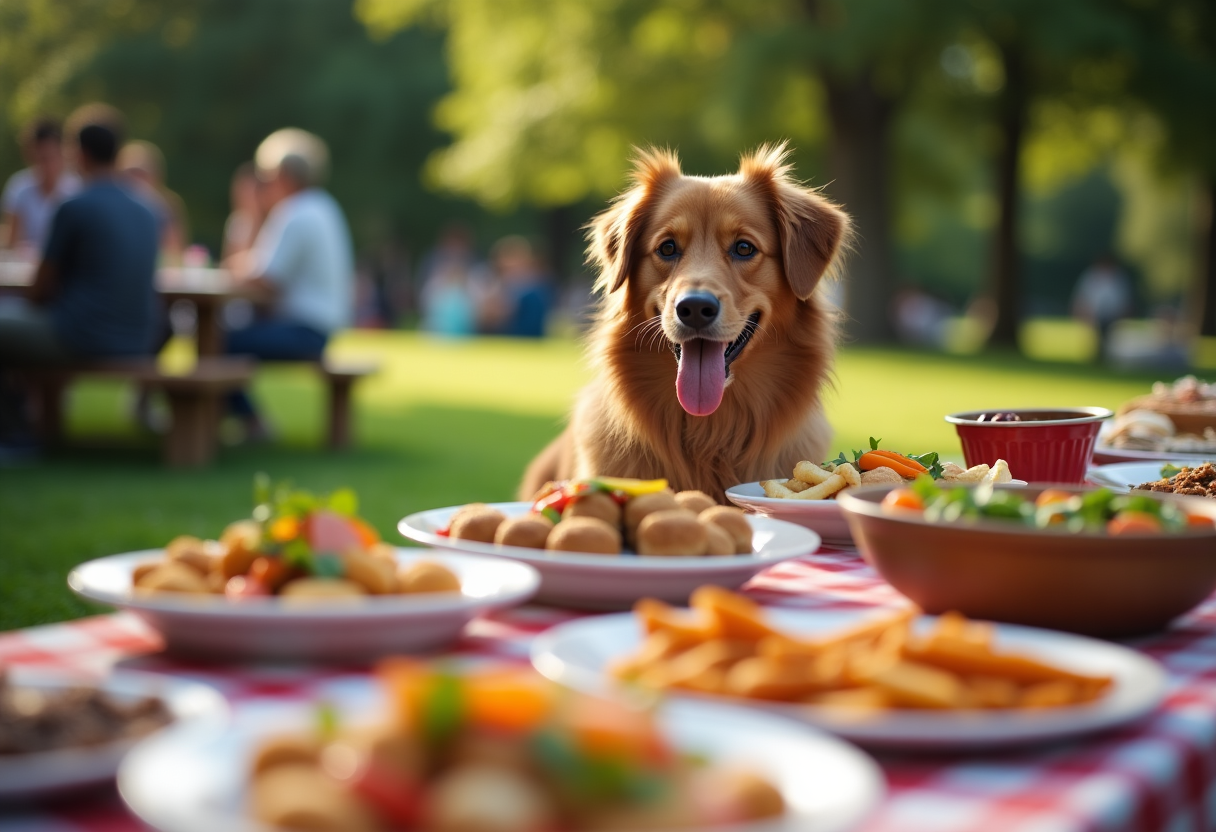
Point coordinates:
[(590, 535), (477, 522), (637, 509), (529, 531), (427, 576), (672, 532), (695, 501), (596, 504), (734, 522), (718, 542)]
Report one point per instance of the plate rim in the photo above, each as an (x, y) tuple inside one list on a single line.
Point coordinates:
[(622, 565), (911, 728), (370, 607)]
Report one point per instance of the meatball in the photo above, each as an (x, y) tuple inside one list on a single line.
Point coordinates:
[(672, 532), (585, 534), (477, 522), (427, 576), (695, 501), (596, 504), (734, 522), (528, 530), (637, 509)]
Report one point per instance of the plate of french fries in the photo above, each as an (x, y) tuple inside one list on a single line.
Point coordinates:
[(808, 496), (889, 677)]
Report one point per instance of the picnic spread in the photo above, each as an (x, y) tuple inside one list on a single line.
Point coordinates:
[(936, 647)]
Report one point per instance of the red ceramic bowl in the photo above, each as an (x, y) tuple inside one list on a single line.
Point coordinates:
[(1048, 445)]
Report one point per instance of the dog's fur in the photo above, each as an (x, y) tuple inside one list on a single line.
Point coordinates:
[(628, 422)]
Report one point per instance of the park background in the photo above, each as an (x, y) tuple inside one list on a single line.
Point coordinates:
[(988, 151)]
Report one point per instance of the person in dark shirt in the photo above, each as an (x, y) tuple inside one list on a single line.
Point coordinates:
[(93, 294)]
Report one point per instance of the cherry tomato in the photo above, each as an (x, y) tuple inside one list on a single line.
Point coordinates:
[(1133, 522), (903, 498), (396, 798), (1052, 495), (241, 586)]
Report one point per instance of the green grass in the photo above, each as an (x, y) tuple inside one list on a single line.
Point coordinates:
[(443, 423)]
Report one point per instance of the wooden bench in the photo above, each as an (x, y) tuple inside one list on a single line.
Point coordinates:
[(340, 377), (194, 400)]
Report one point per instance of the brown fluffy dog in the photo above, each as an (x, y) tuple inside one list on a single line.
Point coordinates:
[(711, 343)]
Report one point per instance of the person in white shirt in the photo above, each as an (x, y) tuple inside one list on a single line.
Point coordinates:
[(1103, 295), (301, 267), (32, 195)]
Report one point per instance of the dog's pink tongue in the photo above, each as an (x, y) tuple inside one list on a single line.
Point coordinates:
[(701, 376)]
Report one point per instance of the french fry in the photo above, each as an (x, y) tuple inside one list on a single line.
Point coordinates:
[(866, 630), (992, 692), (688, 629), (797, 485), (1050, 694), (776, 488), (822, 491), (851, 476), (967, 659), (852, 699), (915, 685), (810, 473), (732, 616), (761, 678)]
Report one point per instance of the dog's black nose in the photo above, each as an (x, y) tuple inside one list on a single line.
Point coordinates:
[(698, 310)]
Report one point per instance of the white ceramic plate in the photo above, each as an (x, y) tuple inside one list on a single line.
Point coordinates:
[(268, 628), (194, 781), (1108, 454), (616, 582), (1122, 476), (28, 776), (822, 516), (577, 653)]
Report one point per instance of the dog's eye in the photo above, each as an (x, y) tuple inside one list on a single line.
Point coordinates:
[(744, 249), (667, 248)]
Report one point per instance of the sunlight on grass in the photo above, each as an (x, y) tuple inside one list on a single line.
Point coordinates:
[(1058, 339)]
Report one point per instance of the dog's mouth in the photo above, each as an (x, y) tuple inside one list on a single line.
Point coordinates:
[(704, 367)]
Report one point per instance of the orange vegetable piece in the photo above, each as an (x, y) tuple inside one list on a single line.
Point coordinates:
[(1133, 522), (605, 728), (1200, 521), (284, 529), (368, 536), (903, 498), (514, 701), (406, 681), (900, 464), (1052, 495)]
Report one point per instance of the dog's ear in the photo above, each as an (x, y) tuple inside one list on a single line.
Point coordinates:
[(813, 230), (614, 232)]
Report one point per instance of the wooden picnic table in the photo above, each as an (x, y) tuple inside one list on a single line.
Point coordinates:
[(207, 288)]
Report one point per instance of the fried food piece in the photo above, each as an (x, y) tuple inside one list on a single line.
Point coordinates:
[(810, 473), (732, 616), (321, 589), (691, 666), (778, 489), (192, 552), (487, 798), (914, 685), (529, 531), (975, 473), (377, 575), (171, 576), (142, 570), (796, 485), (998, 473), (239, 544), (717, 541), (427, 576), (671, 533), (741, 796), (304, 797), (589, 535), (657, 616), (881, 474), (595, 504), (734, 522), (477, 522), (290, 749), (852, 478), (637, 509), (695, 501)]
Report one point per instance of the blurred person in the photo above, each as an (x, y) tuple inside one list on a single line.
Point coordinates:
[(245, 218), (519, 300), (452, 284), (143, 165), (93, 294), (31, 195), (301, 268), (1103, 295)]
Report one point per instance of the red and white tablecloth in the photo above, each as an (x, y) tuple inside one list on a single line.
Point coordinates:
[(1159, 774)]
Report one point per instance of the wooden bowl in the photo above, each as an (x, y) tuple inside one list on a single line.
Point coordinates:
[(1088, 583)]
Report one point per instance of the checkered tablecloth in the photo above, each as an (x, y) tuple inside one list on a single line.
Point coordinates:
[(1159, 774)]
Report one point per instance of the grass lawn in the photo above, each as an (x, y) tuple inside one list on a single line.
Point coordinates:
[(443, 423)]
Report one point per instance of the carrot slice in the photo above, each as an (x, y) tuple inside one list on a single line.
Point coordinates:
[(883, 459)]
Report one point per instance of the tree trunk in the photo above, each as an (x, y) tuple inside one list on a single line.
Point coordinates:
[(1006, 263), (561, 239), (859, 166), (1205, 280)]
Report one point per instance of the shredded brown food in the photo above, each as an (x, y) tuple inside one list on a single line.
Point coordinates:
[(1199, 481)]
